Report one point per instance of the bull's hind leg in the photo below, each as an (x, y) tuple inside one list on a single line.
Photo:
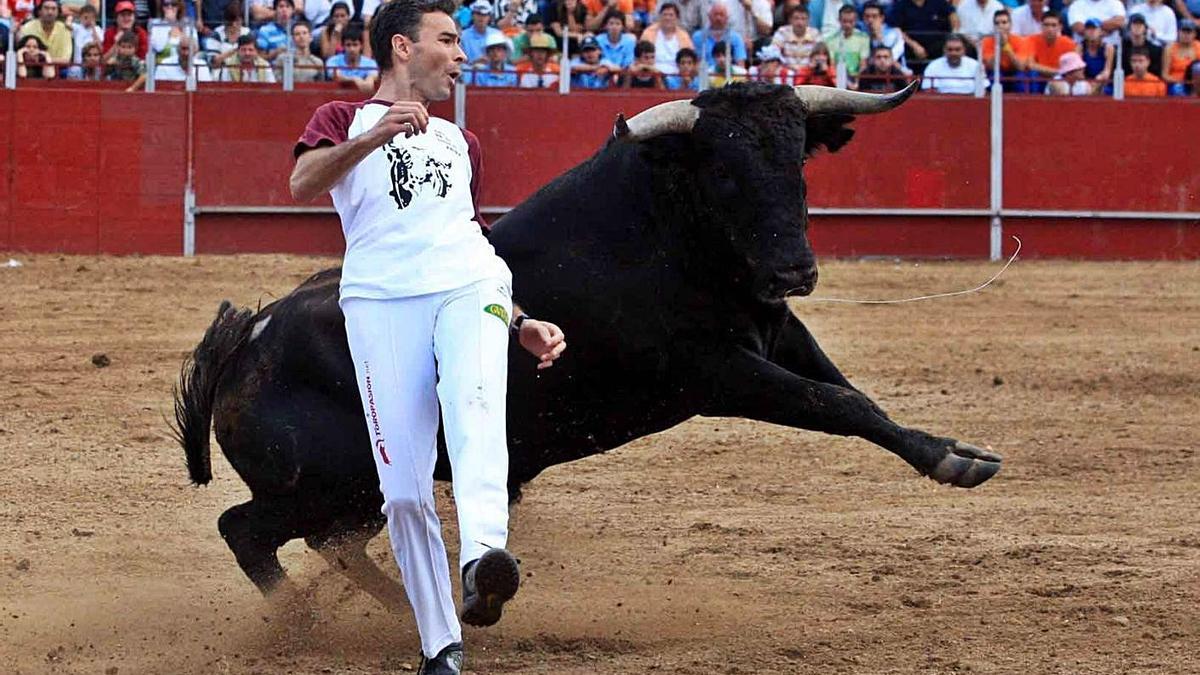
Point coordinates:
[(346, 552), (749, 386), (254, 531)]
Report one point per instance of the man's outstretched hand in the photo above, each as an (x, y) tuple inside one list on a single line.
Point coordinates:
[(544, 340)]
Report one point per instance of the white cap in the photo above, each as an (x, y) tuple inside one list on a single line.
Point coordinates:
[(497, 38), (481, 7)]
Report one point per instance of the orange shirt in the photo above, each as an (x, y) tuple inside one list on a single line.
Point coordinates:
[(596, 7), (1176, 64), (527, 67), (987, 49), (1151, 86), (1048, 54)]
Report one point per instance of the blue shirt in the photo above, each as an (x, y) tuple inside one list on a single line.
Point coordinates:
[(474, 44), (589, 80), (675, 83), (272, 36), (366, 67), (704, 45), (492, 78), (621, 53)]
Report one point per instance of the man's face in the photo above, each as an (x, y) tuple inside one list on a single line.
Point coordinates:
[(480, 20), (436, 58), (882, 59), (769, 68), (687, 66), (591, 55), (846, 21), (88, 18), (1051, 28), (302, 36), (647, 58), (48, 11), (126, 50), (353, 48), (668, 17), (125, 19), (1091, 33), (873, 17), (954, 51), (534, 28), (799, 22), (719, 58), (718, 17), (497, 55), (1003, 24), (284, 13), (1140, 64), (247, 52), (539, 57), (1137, 30), (614, 26)]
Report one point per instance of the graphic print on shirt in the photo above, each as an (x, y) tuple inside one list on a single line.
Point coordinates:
[(407, 179)]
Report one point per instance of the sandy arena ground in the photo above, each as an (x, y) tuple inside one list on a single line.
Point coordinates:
[(721, 546)]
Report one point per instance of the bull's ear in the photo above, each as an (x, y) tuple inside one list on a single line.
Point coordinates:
[(826, 131)]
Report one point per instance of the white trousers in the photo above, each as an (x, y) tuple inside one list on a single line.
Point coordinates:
[(409, 354)]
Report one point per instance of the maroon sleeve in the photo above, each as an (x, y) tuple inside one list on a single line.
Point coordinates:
[(329, 125), (476, 176)]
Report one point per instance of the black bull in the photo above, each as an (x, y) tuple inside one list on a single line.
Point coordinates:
[(666, 260)]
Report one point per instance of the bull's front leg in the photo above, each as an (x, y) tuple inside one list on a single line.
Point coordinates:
[(747, 385)]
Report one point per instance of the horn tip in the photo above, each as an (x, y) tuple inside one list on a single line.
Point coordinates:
[(620, 127)]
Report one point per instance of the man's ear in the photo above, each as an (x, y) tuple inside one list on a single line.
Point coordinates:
[(401, 48), (826, 131)]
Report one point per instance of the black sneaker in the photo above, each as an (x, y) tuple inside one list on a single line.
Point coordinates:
[(488, 583), (449, 661)]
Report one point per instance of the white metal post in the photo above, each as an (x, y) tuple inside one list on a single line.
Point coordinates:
[(564, 68), (289, 70), (151, 71), (460, 103), (997, 157), (189, 221), (842, 77), (10, 62), (1119, 76)]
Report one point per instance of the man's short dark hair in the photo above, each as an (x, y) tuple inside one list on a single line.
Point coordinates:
[(1051, 14), (302, 22), (56, 4), (1002, 12), (88, 8), (128, 38), (718, 48), (290, 2), (1140, 50), (643, 47), (610, 14), (233, 11), (792, 10), (401, 17), (873, 5), (956, 37), (882, 48), (354, 31), (847, 9), (686, 53), (534, 18), (247, 39)]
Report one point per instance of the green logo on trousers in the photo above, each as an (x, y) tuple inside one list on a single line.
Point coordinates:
[(497, 311)]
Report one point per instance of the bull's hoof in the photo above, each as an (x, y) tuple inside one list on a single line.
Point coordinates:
[(966, 466)]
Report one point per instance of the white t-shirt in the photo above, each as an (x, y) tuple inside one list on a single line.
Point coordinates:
[(740, 20), (938, 76), (1082, 10), (1159, 19), (1023, 23), (975, 21), (407, 208), (170, 71), (82, 36)]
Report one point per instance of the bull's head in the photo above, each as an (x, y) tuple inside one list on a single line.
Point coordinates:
[(740, 150)]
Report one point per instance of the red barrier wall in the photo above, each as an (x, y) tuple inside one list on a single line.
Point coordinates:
[(97, 170)]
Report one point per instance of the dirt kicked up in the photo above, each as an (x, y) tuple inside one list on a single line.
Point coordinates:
[(721, 546)]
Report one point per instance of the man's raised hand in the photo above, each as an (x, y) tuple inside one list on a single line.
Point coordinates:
[(404, 117), (544, 340)]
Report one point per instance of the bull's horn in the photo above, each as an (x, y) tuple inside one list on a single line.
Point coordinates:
[(831, 101), (672, 117)]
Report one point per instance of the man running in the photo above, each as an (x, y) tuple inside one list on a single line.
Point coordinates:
[(427, 305)]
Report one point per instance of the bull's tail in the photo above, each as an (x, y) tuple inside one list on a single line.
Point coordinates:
[(198, 387)]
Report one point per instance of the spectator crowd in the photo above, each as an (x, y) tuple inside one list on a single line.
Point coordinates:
[(1059, 47)]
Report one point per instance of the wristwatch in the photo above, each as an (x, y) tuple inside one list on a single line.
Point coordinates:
[(516, 324)]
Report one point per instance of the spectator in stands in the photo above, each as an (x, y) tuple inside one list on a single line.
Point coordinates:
[(245, 65), (1014, 56), (1109, 16), (882, 75), (351, 66), (824, 13), (975, 18), (1186, 10), (511, 15), (642, 73), (883, 35), (1159, 19), (1070, 79), (819, 71), (568, 25), (796, 40), (723, 70), (335, 27), (848, 45), (615, 44), (599, 10), (308, 67), (667, 37), (124, 64), (925, 24), (1178, 56), (91, 64), (642, 14), (274, 36), (1138, 37), (1097, 54), (1027, 19), (173, 69), (687, 72), (533, 26), (475, 39), (496, 70), (168, 30), (750, 19), (770, 68), (33, 59), (782, 11), (1046, 50), (718, 31), (1141, 82), (954, 72), (691, 15), (222, 43), (317, 14), (51, 32), (539, 71), (124, 24), (84, 31), (589, 70)]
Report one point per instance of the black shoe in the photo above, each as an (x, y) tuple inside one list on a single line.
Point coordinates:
[(449, 661), (488, 583)]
